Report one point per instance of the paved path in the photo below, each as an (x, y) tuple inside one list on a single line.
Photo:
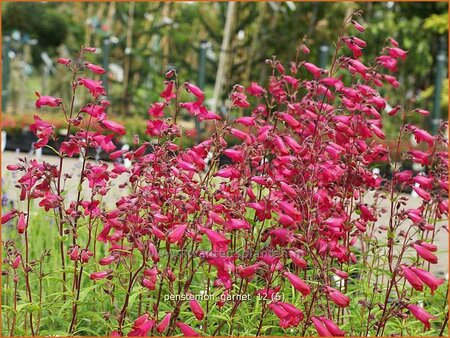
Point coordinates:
[(73, 166)]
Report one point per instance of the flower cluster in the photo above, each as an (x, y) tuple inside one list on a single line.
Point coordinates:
[(298, 183)]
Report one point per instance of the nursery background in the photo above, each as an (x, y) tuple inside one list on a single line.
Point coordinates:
[(339, 167), (138, 42)]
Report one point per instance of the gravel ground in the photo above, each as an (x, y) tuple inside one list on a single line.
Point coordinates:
[(73, 166)]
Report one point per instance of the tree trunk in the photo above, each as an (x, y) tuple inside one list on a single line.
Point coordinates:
[(165, 39), (127, 60), (224, 54)]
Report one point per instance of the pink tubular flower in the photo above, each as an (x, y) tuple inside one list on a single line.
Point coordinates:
[(289, 119), (423, 136), (292, 81), (168, 93), (186, 330), (196, 309), (394, 110), (8, 216), (415, 215), (239, 100), (356, 50), (64, 61), (16, 262), (177, 233), (114, 127), (193, 89), (43, 130), (229, 172), (141, 326), (421, 314), (332, 327), (164, 324), (358, 26), (100, 275), (150, 278), (248, 271), (157, 109), (338, 298), (396, 52), (403, 176), (298, 260), (107, 260), (340, 273), (280, 145), (95, 110), (429, 246), (428, 278), (70, 148), (237, 224), (393, 42), (288, 314), (331, 81), (392, 80), (156, 128), (313, 69), (419, 157), (239, 134), (95, 87), (412, 278), (321, 329), (289, 209), (422, 112), (219, 243), (21, 224), (49, 101), (425, 254), (387, 62), (422, 193), (235, 155), (89, 49), (94, 68), (74, 253), (246, 120), (298, 283), (255, 90), (335, 222), (424, 181), (116, 154), (287, 189), (377, 131)]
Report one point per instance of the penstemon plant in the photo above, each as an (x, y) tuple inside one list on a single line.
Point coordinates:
[(284, 240)]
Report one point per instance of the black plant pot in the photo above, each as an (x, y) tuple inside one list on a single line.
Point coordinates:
[(24, 142)]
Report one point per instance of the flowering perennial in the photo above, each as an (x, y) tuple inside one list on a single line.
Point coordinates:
[(289, 221)]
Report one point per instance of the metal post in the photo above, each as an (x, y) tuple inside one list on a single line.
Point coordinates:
[(105, 61), (5, 71), (324, 51), (201, 77), (441, 61)]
